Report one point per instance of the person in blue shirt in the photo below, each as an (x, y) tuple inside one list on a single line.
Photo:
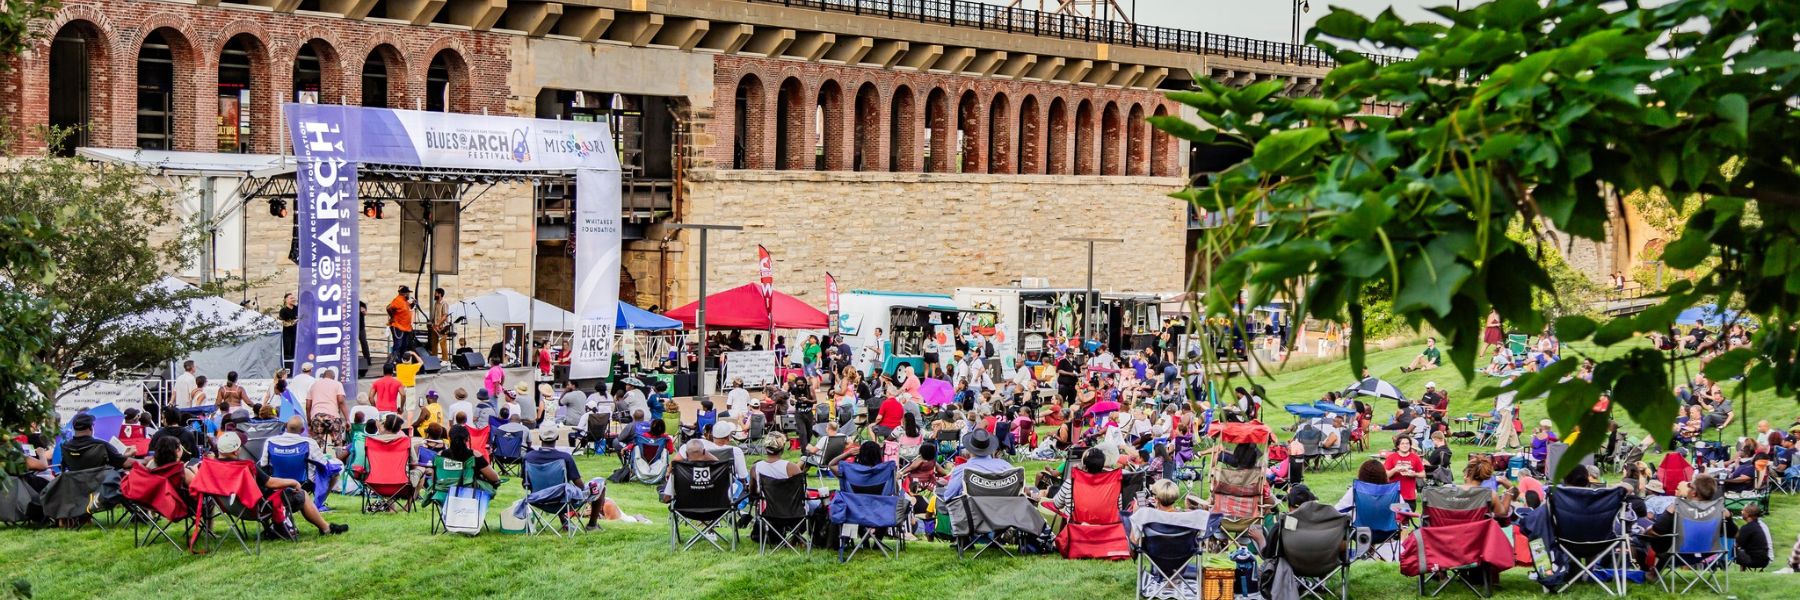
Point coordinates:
[(981, 446), (656, 400), (706, 418)]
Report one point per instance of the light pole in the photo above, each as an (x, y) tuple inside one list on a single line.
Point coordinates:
[(700, 311), (1091, 300)]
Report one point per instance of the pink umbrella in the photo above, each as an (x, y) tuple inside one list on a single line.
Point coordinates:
[(1102, 407), (936, 392)]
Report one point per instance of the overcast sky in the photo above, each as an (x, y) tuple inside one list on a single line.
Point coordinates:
[(1261, 19)]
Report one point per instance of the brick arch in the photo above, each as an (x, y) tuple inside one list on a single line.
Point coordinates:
[(1136, 154), (456, 67), (903, 129), (1084, 126), (397, 70), (187, 130), (1112, 135), (461, 88), (999, 134), (1031, 143), (869, 139), (748, 132), (828, 122), (331, 71), (1058, 135), (99, 41), (263, 85), (941, 128), (1160, 147), (791, 112), (969, 124)]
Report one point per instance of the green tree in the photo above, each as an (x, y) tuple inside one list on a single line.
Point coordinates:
[(25, 256), (1529, 115)]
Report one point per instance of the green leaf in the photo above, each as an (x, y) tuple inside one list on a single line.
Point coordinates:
[(1687, 251), (1614, 331), (1181, 128), (1341, 23), (1570, 401), (1730, 364), (1766, 59), (1203, 101), (1574, 328), (1244, 100), (1429, 279), (1736, 111), (1643, 389), (1286, 149)]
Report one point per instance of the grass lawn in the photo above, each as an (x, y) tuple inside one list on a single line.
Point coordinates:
[(394, 555)]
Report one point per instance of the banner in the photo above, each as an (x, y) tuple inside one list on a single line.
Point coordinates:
[(597, 240), (325, 211), (831, 303), (755, 367), (331, 140), (766, 264)]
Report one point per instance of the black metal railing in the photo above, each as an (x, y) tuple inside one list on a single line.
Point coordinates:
[(982, 15)]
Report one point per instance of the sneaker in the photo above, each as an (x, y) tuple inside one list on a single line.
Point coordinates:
[(594, 527), (337, 529)]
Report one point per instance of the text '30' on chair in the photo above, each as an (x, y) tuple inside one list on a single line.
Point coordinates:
[(992, 505), (1315, 540), (1168, 562), (1697, 554), (780, 514), (871, 501), (700, 504)]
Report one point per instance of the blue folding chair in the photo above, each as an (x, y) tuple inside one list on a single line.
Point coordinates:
[(1168, 562), (550, 475), (292, 461), (1593, 542), (1698, 552), (870, 500), (508, 451), (1374, 518)]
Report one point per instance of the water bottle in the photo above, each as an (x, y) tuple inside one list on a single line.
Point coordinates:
[(1245, 573)]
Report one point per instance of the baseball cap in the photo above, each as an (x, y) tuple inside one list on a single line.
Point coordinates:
[(724, 429), (306, 367), (431, 394), (82, 422), (1431, 385), (229, 443)]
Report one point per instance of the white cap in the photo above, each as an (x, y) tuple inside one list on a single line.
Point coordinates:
[(1431, 385), (229, 443), (305, 367), (724, 429)]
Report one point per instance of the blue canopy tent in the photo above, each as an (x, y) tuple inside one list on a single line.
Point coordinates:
[(1304, 411), (1333, 408), (634, 318)]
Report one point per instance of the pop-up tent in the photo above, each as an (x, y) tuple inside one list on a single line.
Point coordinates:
[(742, 308), (256, 355), (634, 318), (505, 306)]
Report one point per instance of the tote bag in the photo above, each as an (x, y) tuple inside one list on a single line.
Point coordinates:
[(465, 510)]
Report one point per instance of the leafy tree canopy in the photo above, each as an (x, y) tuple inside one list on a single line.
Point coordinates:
[(1523, 115)]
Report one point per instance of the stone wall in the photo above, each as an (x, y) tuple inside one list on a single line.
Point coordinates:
[(928, 232)]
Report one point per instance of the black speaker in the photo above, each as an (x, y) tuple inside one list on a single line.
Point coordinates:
[(468, 360), (429, 363)]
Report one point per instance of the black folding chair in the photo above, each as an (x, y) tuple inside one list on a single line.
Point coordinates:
[(780, 515), (992, 506), (701, 502)]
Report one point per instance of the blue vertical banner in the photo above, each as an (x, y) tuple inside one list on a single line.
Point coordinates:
[(325, 210)]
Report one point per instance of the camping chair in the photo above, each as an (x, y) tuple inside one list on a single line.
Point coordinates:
[(479, 438), (649, 463), (549, 493), (991, 505), (1451, 540), (1377, 524), (19, 502), (508, 451), (227, 488), (871, 500), (387, 484), (780, 515), (1239, 491), (1554, 455), (1168, 562), (700, 503), (78, 497), (1315, 541), (1093, 529), (257, 433), (759, 423), (832, 447), (156, 499), (290, 461), (1589, 527), (1698, 552), (1762, 486), (133, 436), (1673, 471), (449, 477)]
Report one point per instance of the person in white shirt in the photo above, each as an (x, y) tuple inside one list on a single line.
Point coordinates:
[(302, 384), (721, 440), (737, 402), (184, 383), (1104, 360), (1331, 433), (872, 352)]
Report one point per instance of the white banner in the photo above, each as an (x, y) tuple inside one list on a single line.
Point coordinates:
[(754, 367), (456, 140), (597, 247)]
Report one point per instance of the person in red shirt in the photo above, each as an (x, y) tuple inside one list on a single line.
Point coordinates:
[(544, 362), (1405, 466), (387, 390), (891, 414)]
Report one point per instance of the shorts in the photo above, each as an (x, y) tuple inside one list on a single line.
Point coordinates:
[(328, 429)]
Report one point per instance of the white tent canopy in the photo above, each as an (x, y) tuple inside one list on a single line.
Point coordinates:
[(506, 307), (213, 308)]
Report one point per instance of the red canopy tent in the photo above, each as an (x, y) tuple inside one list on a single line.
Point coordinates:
[(742, 308)]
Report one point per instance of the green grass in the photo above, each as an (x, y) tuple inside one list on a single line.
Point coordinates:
[(394, 556)]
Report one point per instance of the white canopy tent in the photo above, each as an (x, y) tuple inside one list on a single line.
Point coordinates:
[(255, 356), (507, 307)]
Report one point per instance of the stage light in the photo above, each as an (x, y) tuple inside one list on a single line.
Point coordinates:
[(278, 208), (372, 209)]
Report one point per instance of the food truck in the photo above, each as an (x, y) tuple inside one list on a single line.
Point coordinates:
[(915, 326), (1021, 321)]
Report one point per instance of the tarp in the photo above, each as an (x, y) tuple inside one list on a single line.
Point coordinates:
[(506, 306), (632, 317), (1711, 314), (742, 308)]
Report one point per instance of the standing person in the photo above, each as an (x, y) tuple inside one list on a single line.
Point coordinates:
[(810, 355), (495, 381), (441, 331), (400, 323), (183, 390), (301, 384), (872, 353), (387, 390), (1493, 337), (737, 402), (1506, 434), (1067, 375), (289, 315), (362, 329), (197, 397), (325, 408), (232, 397), (1405, 466)]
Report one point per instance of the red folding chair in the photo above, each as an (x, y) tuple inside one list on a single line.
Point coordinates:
[(388, 484), (1674, 470), (478, 440), (227, 488), (1093, 529), (156, 499)]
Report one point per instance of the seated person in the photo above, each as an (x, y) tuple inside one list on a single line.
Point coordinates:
[(721, 434), (1721, 414), (820, 454), (1742, 475), (229, 447), (1171, 508), (694, 452), (705, 418), (1541, 440), (458, 450), (1660, 536), (292, 435), (84, 451), (981, 446), (1755, 547), (1427, 360)]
